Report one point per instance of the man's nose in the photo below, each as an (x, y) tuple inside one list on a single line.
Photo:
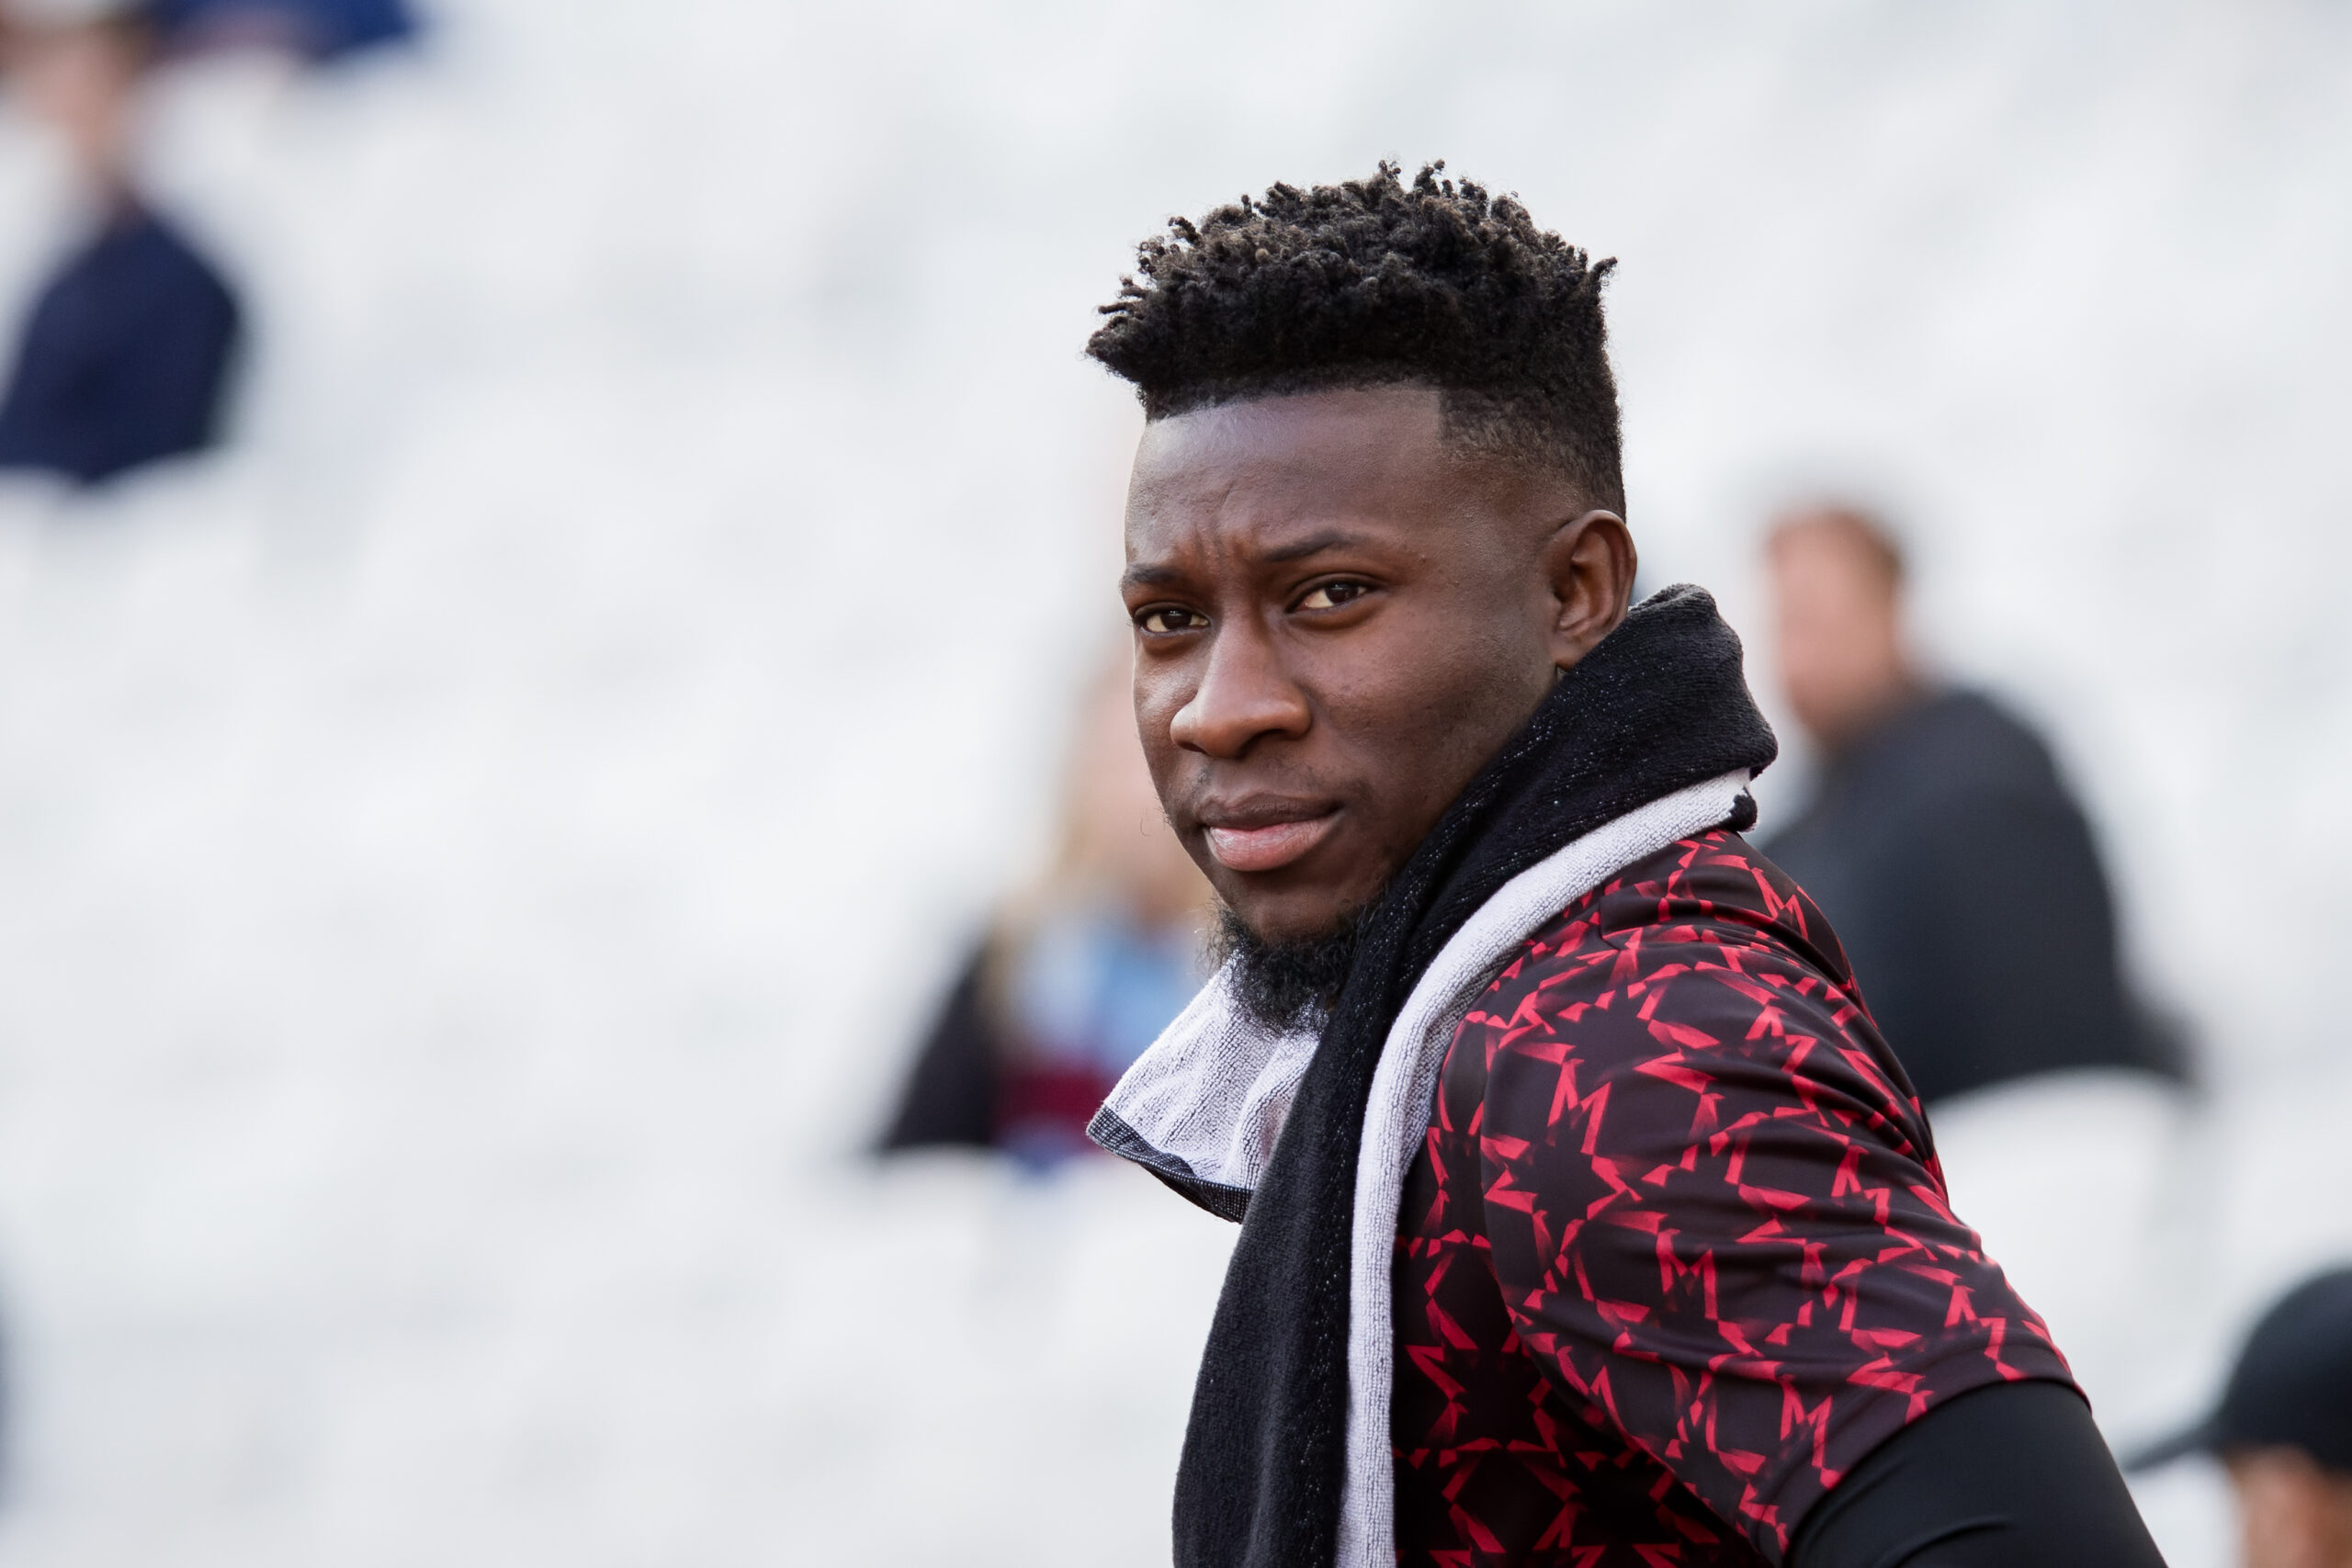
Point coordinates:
[(1244, 693)]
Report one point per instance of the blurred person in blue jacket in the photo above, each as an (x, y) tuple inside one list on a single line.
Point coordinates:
[(125, 357), (1077, 974), (1960, 872)]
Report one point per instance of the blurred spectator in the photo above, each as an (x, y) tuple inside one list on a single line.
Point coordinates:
[(1076, 975), (125, 356), (2284, 1430), (316, 29), (1960, 871)]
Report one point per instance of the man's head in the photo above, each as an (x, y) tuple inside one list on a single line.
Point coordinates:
[(1374, 516), (77, 66), (1837, 599)]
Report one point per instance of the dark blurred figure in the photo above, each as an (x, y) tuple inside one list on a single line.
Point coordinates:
[(315, 29), (1959, 869), (125, 357), (1075, 977), (2284, 1430)]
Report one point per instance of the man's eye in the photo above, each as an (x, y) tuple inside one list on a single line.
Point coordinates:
[(1331, 595), (1164, 618)]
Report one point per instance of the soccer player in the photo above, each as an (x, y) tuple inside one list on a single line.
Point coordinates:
[(1586, 1217)]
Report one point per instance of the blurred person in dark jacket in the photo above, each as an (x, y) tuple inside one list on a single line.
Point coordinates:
[(1077, 974), (125, 357), (1959, 869), (2283, 1429)]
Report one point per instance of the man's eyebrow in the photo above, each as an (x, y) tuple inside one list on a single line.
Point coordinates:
[(1312, 545), (1145, 575)]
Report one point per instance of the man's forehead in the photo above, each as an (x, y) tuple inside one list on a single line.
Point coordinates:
[(1274, 466), (1297, 432)]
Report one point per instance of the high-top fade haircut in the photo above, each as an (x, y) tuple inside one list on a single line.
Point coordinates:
[(1375, 282)]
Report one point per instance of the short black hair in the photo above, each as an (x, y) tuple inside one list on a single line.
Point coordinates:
[(1375, 282)]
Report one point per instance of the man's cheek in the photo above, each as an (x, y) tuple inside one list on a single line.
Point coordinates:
[(1171, 781), (1159, 752)]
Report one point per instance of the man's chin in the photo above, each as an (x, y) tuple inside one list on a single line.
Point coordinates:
[(1287, 981), (1284, 910)]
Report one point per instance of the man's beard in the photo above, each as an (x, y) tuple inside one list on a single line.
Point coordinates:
[(1283, 985)]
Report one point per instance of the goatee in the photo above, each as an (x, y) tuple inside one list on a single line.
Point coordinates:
[(1284, 986)]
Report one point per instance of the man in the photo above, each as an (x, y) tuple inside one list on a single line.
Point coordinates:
[(1960, 869), (1584, 1216), (2284, 1430)]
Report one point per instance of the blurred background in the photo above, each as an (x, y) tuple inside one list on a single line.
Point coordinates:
[(482, 841)]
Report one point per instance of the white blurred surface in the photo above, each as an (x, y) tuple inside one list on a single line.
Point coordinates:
[(471, 858)]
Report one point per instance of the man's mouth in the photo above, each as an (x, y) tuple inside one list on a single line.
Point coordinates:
[(1266, 840)]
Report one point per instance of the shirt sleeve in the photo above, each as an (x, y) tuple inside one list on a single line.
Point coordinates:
[(1714, 1210), (2015, 1475)]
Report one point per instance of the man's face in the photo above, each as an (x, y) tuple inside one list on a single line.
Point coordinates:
[(1338, 620), (1840, 635), (79, 79), (2291, 1513)]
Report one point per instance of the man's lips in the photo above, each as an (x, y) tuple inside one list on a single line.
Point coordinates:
[(1265, 846)]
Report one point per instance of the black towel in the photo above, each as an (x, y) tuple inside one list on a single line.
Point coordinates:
[(1659, 706)]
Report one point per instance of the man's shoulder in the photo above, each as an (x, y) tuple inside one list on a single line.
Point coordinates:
[(1699, 960), (1713, 897)]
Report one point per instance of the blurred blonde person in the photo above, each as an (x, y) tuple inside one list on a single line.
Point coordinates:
[(1078, 972)]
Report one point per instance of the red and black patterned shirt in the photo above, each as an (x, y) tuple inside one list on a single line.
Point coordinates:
[(1675, 1252)]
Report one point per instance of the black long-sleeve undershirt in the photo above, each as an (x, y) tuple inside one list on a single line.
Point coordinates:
[(2015, 1475)]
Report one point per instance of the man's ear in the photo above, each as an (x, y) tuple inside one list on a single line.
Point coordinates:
[(1590, 563)]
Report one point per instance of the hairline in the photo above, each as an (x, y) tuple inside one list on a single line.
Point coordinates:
[(1466, 431)]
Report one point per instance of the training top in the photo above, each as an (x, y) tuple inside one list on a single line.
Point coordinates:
[(1675, 1252)]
